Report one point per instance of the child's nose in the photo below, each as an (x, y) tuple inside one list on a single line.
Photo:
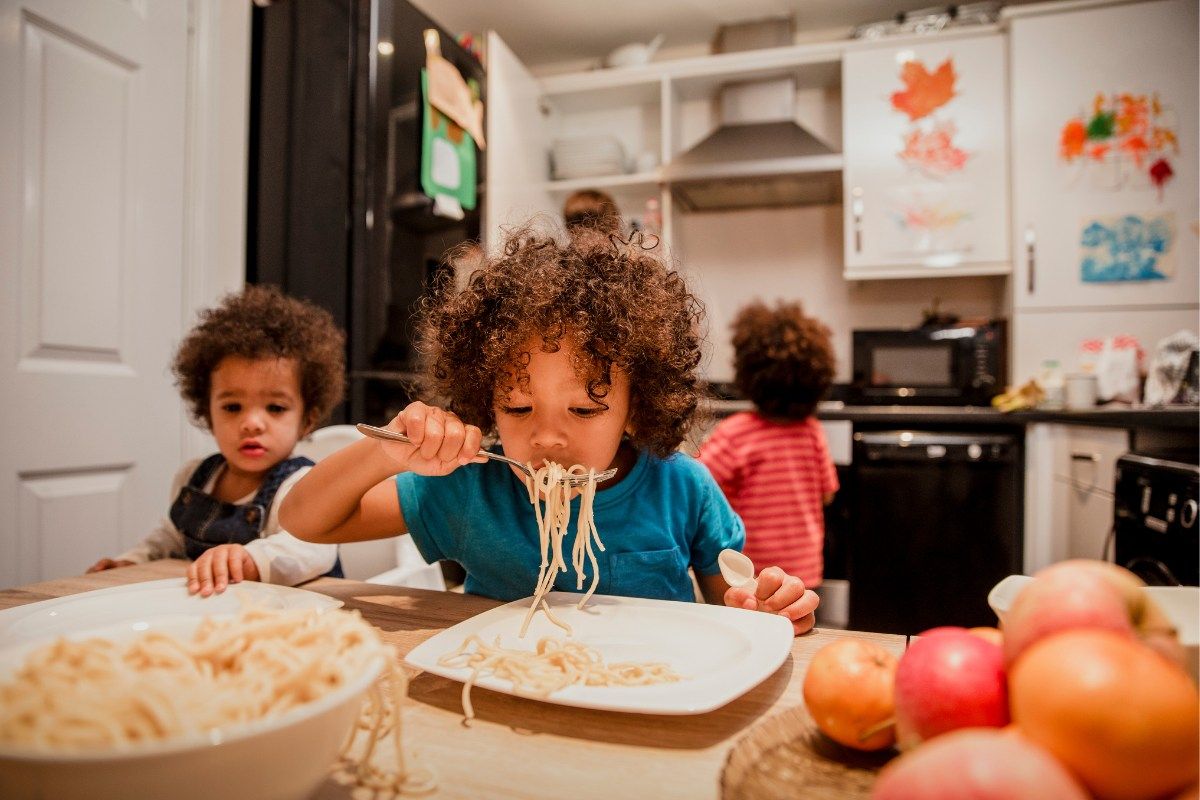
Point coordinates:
[(252, 422), (547, 435)]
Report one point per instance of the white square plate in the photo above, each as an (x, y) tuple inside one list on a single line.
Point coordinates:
[(144, 602), (721, 652)]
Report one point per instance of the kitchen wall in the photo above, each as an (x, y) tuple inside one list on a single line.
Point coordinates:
[(796, 253)]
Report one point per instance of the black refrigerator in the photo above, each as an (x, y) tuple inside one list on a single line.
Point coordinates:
[(336, 213)]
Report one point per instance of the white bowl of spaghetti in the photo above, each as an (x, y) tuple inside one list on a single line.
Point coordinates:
[(254, 706)]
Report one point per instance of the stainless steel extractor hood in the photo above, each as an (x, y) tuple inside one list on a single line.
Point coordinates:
[(759, 154)]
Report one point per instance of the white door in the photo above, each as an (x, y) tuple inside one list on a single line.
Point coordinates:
[(1104, 107), (516, 145), (926, 159), (91, 246)]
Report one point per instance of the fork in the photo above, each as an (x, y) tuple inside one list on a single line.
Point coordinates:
[(392, 436)]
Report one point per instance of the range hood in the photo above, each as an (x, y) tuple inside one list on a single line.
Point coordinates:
[(760, 155)]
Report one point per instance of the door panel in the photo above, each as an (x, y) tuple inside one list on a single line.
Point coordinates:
[(91, 224), (69, 517)]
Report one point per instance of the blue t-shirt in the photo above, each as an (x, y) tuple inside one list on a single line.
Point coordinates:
[(664, 516)]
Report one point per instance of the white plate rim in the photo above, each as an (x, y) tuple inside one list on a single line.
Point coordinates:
[(771, 637), (293, 597)]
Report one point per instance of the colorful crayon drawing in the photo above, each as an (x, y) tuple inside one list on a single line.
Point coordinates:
[(924, 91), (928, 145), (925, 216), (1124, 130), (933, 152), (1128, 248)]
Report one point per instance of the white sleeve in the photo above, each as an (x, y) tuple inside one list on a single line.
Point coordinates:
[(282, 558), (165, 541)]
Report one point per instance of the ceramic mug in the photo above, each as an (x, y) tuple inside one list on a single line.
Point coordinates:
[(1081, 391)]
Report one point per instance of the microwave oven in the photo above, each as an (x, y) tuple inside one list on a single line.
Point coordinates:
[(932, 365)]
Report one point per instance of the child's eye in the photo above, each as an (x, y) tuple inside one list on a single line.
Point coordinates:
[(516, 411), (587, 411), (275, 408), (231, 408)]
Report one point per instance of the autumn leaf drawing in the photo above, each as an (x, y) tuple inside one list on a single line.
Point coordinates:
[(924, 91)]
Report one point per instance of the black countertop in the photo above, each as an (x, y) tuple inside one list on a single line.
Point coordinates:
[(1170, 418)]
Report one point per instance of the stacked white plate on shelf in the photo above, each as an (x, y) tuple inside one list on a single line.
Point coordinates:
[(587, 157)]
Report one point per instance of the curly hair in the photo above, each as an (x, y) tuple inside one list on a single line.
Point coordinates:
[(615, 301), (783, 361), (262, 322)]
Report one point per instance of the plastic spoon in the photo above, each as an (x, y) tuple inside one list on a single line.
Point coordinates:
[(736, 569)]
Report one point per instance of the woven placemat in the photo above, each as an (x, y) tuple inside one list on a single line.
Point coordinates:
[(787, 757)]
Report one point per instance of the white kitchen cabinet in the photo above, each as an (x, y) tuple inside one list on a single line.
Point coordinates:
[(1070, 475), (926, 158), (659, 113), (1104, 99), (516, 144)]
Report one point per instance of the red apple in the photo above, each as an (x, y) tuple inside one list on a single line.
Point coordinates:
[(946, 680), (1084, 593), (992, 635), (977, 764)]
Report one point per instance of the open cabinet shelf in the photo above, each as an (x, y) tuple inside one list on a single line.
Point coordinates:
[(665, 115), (626, 182)]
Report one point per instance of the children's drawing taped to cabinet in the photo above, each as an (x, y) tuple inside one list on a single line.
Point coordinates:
[(926, 163), (1105, 154)]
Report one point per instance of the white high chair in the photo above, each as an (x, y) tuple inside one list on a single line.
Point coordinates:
[(394, 561)]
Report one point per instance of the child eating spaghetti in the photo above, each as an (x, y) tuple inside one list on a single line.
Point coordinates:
[(576, 352)]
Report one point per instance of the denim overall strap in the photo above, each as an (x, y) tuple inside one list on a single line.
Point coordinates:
[(205, 470), (270, 485), (275, 478), (206, 522)]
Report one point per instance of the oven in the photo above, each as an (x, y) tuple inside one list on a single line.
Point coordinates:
[(1155, 523), (937, 523), (931, 365)]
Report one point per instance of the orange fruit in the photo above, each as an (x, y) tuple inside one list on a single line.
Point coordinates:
[(1121, 717), (849, 691)]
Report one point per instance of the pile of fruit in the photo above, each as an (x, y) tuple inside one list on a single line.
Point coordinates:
[(1081, 693)]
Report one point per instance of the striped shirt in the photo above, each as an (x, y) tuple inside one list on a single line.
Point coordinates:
[(775, 475)]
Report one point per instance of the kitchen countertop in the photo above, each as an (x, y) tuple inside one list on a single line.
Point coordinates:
[(1177, 417), (523, 748)]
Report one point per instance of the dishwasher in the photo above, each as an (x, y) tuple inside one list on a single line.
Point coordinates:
[(936, 524)]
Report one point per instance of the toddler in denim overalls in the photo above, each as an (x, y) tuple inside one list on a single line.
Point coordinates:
[(259, 371)]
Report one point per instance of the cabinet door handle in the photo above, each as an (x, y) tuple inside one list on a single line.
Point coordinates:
[(1030, 259), (1092, 457), (856, 212)]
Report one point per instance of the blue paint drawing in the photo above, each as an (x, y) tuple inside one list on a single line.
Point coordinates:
[(1128, 248)]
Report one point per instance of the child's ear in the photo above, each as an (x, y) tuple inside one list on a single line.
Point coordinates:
[(310, 424)]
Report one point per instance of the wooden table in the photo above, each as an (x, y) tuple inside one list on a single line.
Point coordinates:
[(518, 748)]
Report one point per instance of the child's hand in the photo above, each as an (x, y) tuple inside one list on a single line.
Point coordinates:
[(441, 442), (220, 566), (776, 592), (108, 563)]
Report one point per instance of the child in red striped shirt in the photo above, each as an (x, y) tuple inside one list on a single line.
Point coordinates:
[(773, 463)]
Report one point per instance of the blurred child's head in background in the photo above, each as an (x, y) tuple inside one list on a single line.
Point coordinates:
[(594, 209), (783, 361)]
